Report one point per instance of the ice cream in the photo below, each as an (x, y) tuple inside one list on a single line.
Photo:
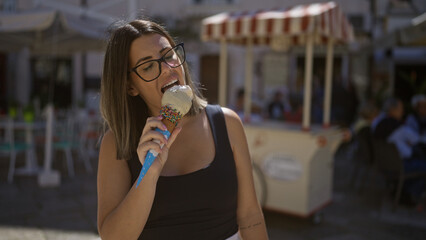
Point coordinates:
[(175, 103)]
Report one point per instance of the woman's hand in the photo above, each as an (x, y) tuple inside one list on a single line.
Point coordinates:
[(152, 140)]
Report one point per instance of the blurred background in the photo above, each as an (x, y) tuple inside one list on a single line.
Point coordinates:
[(313, 177)]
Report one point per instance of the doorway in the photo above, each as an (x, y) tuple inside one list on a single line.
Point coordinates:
[(52, 76), (210, 77), (410, 79)]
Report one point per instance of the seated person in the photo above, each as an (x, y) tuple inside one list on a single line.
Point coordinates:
[(296, 110), (362, 133), (417, 120), (256, 111), (276, 107), (391, 129), (367, 113)]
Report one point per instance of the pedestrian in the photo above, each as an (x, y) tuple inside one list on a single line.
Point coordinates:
[(201, 185)]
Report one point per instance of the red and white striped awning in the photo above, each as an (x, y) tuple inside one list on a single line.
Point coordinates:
[(280, 26)]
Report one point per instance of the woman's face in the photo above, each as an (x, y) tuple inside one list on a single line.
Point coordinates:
[(146, 48)]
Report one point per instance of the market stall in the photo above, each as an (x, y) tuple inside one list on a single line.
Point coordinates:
[(293, 165)]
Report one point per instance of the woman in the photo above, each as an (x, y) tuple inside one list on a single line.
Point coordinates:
[(200, 186)]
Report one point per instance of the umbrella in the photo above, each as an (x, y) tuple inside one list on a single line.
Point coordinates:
[(50, 32)]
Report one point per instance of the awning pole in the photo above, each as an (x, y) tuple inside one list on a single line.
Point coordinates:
[(222, 71), (248, 81), (308, 83), (328, 82), (132, 9)]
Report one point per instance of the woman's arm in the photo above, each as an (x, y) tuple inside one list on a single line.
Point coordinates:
[(123, 209), (249, 214)]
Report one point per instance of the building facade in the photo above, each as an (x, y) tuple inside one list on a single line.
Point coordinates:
[(78, 73)]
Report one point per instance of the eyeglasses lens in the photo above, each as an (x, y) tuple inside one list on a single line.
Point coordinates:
[(151, 69)]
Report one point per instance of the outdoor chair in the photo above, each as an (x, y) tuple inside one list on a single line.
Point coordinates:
[(390, 164), (63, 140), (67, 138), (89, 125), (8, 146)]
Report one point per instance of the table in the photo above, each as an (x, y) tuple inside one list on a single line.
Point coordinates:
[(31, 167)]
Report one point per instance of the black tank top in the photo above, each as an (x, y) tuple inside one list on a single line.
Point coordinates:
[(200, 204)]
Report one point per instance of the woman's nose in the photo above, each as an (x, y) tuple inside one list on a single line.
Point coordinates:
[(165, 67)]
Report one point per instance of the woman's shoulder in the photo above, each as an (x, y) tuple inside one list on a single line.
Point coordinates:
[(234, 125), (108, 141), (231, 117)]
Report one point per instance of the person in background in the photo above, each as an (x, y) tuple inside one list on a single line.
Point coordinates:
[(390, 120), (256, 111), (296, 110), (367, 113), (276, 107), (391, 129), (417, 120), (200, 186), (361, 130)]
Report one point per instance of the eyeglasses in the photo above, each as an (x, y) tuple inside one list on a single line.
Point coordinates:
[(151, 70)]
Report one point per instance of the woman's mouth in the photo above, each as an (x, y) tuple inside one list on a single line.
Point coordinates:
[(169, 85)]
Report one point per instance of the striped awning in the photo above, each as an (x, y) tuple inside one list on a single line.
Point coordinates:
[(280, 26)]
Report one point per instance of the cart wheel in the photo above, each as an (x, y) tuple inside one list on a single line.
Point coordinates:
[(259, 184), (317, 217)]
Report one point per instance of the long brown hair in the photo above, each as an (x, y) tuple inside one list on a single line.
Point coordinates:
[(123, 114)]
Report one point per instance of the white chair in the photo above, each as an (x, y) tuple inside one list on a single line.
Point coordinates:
[(67, 138), (63, 141), (88, 135), (8, 146)]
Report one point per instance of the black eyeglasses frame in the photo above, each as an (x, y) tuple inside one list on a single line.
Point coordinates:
[(159, 61)]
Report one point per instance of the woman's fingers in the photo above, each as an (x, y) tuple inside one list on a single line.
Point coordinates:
[(165, 150), (151, 139), (153, 135), (154, 122), (143, 149)]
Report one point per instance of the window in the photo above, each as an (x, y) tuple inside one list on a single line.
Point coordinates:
[(357, 21)]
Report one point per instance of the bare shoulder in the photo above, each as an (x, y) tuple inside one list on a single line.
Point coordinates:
[(231, 117), (108, 139), (108, 149), (110, 169), (234, 126), (108, 145)]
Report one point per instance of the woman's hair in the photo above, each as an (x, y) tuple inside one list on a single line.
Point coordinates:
[(123, 114)]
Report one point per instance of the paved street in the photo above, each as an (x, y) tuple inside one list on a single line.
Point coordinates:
[(69, 211)]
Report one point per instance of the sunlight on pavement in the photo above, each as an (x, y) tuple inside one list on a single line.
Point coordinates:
[(23, 233)]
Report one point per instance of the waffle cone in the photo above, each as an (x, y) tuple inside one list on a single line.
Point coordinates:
[(170, 126)]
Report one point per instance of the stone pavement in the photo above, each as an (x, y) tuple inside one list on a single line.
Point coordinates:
[(69, 211)]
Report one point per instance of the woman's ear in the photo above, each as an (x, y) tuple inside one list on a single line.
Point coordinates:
[(131, 90)]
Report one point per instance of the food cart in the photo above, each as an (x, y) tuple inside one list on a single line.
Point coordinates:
[(293, 164)]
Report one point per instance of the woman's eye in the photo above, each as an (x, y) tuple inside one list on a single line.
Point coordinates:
[(170, 56), (147, 68)]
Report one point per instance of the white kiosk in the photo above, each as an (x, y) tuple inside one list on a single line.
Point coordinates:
[(293, 165)]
